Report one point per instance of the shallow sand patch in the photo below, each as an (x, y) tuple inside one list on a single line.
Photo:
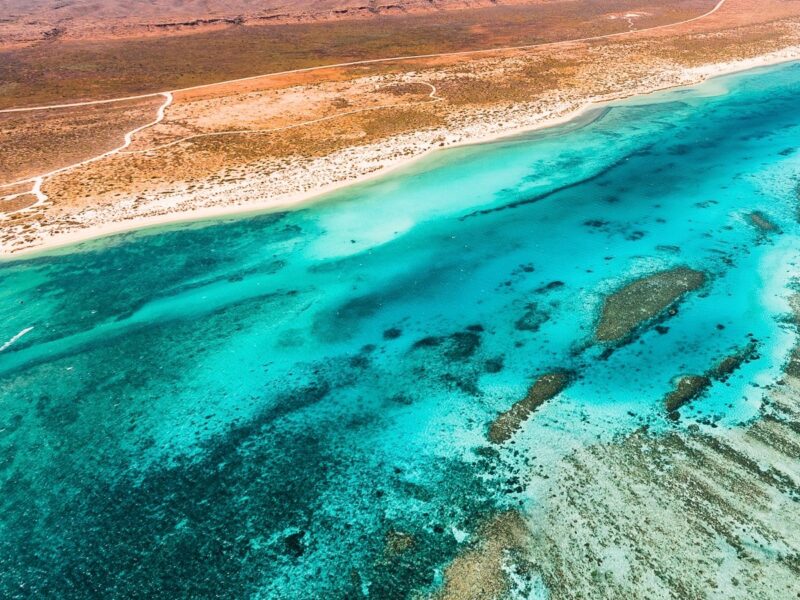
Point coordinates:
[(675, 516)]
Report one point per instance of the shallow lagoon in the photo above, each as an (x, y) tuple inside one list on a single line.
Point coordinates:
[(263, 406)]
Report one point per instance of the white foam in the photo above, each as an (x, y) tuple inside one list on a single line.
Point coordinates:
[(15, 338)]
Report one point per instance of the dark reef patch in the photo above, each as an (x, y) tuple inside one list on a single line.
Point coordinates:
[(392, 333), (759, 220), (405, 557), (458, 346), (705, 203), (462, 345), (466, 383), (732, 363), (543, 196), (359, 361), (635, 305), (401, 398), (543, 389), (527, 268), (430, 341), (339, 323), (186, 258), (687, 389), (595, 223), (792, 367), (188, 519), (493, 365), (532, 319), (230, 519), (679, 150), (294, 544), (690, 387), (553, 285)]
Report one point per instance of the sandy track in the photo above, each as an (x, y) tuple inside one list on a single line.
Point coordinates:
[(38, 180)]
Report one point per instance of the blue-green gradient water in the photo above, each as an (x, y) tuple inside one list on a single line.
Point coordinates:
[(253, 407)]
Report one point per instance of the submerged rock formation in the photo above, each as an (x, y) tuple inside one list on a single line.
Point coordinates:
[(762, 222), (691, 387), (544, 388), (482, 571), (630, 308), (397, 542), (730, 364), (688, 388)]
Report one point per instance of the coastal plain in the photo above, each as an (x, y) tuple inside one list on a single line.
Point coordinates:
[(276, 140)]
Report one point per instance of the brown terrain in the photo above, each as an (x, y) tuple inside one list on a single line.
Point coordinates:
[(29, 22), (63, 69), (269, 140)]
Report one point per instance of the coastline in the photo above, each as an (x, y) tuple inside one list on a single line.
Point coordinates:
[(506, 381), (560, 115)]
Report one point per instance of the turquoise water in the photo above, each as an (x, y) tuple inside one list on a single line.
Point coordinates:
[(248, 408)]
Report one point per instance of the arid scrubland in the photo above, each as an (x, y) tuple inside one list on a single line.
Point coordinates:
[(270, 141)]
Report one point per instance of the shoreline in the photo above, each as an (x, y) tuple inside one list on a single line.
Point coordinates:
[(691, 76)]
